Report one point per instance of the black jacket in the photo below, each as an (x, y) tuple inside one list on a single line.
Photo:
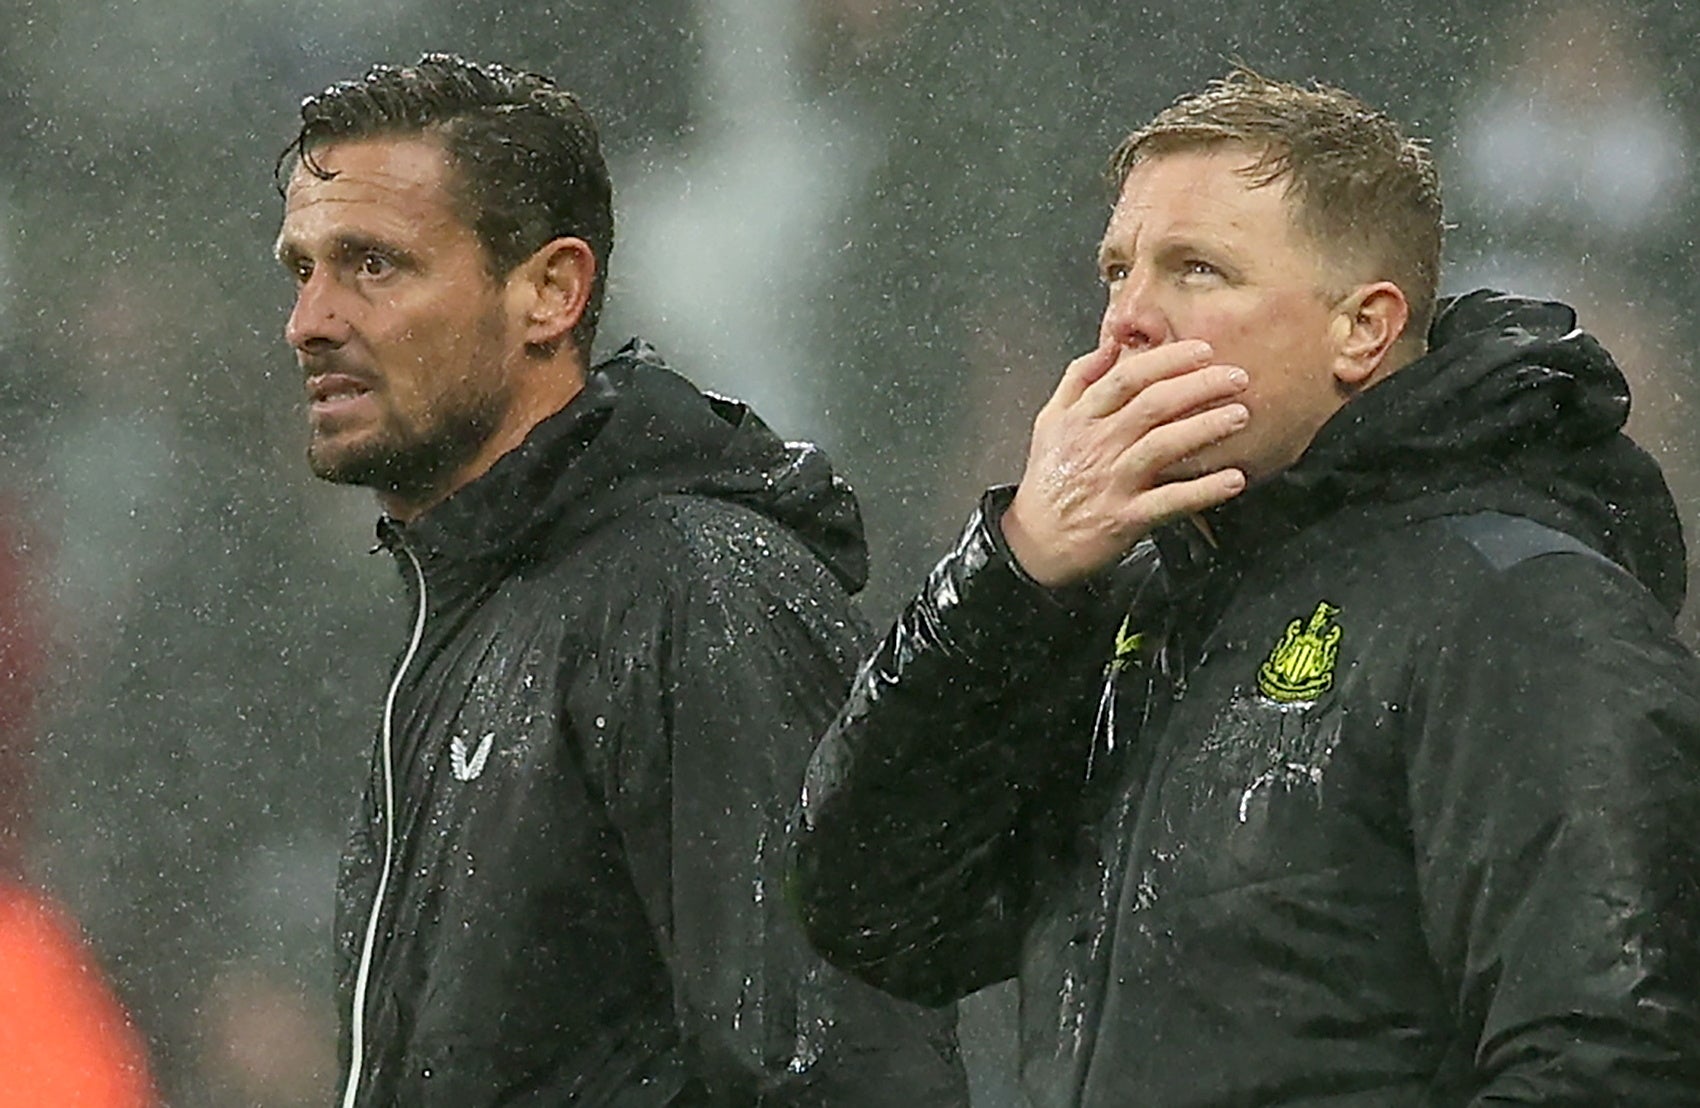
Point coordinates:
[(1391, 796), (563, 886)]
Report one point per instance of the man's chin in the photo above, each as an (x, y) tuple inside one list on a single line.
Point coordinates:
[(343, 463), (383, 463)]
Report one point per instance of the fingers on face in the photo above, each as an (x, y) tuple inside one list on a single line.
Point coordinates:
[(1170, 418), (1083, 372), (1174, 499), (1174, 398), (1170, 442), (1133, 372)]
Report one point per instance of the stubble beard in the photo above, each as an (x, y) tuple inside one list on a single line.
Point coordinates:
[(412, 459), (411, 463)]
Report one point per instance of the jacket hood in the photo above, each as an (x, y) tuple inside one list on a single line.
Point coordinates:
[(1513, 409), (638, 431)]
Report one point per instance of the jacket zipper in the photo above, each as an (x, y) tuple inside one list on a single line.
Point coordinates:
[(362, 977)]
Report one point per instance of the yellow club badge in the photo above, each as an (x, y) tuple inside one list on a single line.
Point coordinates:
[(1301, 666)]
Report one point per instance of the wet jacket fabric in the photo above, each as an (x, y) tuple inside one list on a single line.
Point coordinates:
[(1389, 795), (563, 886)]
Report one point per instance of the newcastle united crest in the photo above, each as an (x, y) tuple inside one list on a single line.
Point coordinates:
[(1301, 666)]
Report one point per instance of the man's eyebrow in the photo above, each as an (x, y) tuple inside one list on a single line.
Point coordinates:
[(354, 242), (1190, 241), (344, 245)]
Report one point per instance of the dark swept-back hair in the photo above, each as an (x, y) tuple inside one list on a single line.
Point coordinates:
[(525, 162), (1358, 184)]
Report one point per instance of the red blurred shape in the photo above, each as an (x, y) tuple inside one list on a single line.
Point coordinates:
[(64, 1039)]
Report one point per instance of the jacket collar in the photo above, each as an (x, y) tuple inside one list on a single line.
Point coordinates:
[(635, 432)]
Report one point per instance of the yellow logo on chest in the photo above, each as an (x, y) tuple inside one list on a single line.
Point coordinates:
[(1301, 666), (1128, 645)]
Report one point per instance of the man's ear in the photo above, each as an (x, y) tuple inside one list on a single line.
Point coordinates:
[(1366, 326), (550, 290)]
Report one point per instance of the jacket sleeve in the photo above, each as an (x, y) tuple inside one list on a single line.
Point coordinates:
[(722, 672), (1555, 800), (934, 793)]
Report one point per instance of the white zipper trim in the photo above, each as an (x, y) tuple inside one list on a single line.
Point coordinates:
[(363, 974)]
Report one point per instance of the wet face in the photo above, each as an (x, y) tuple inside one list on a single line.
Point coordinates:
[(1193, 251), (405, 340)]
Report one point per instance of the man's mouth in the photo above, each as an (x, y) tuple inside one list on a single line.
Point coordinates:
[(335, 393)]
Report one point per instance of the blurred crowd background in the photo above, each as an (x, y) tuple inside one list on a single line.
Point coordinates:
[(875, 219)]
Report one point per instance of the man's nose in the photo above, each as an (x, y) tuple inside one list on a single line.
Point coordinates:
[(316, 322), (1134, 316)]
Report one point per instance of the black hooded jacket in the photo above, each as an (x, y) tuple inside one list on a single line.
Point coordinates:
[(563, 884), (1390, 796)]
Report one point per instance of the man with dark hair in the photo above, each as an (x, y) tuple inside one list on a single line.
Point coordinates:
[(631, 617), (1307, 726)]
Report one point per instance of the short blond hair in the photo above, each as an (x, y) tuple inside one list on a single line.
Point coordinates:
[(1359, 186)]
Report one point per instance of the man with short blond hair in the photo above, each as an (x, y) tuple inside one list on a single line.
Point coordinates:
[(1306, 727), (1360, 188)]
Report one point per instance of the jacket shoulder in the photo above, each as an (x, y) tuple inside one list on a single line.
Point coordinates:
[(1461, 560), (1513, 584), (701, 527), (1515, 567), (685, 553), (1504, 540)]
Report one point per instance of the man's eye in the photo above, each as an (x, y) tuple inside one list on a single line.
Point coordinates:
[(374, 265), (1112, 274), (1199, 267), (302, 272)]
